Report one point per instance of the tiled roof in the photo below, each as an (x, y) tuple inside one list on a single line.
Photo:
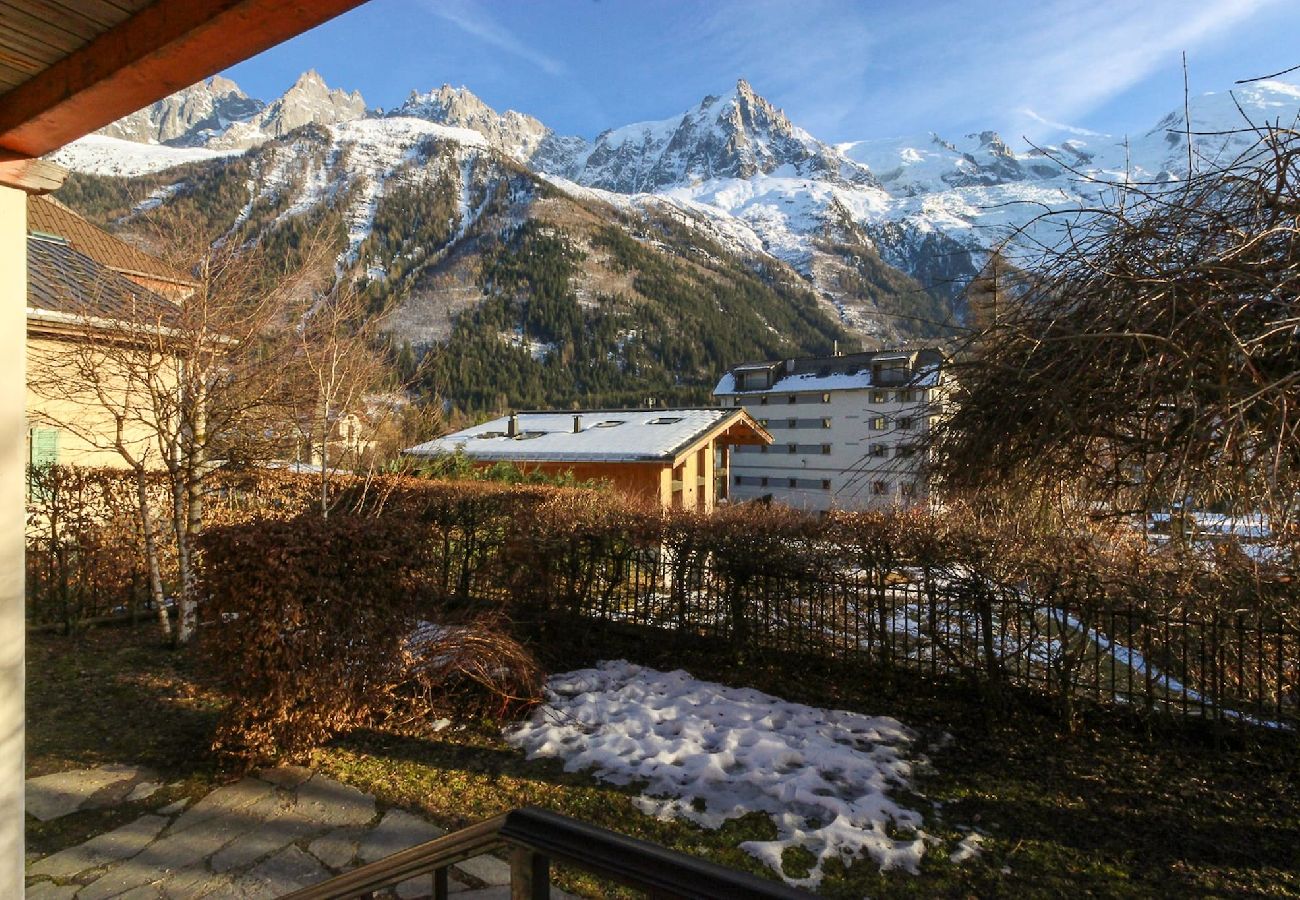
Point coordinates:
[(49, 216), (627, 435), (65, 285)]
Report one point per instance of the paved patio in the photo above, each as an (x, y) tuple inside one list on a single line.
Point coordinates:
[(260, 837)]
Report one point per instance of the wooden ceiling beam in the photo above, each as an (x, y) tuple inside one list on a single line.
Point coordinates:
[(167, 46), (33, 176)]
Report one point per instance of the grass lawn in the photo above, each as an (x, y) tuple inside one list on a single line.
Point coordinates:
[(1120, 809)]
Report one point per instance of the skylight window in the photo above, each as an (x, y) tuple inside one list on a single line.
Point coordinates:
[(609, 423), (665, 420)]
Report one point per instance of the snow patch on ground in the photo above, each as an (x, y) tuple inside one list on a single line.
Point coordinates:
[(708, 753), (967, 848)]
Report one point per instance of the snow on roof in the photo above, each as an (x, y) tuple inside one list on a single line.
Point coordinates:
[(925, 376), (624, 435)]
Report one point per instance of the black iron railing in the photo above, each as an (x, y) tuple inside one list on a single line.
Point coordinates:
[(535, 838), (1239, 666)]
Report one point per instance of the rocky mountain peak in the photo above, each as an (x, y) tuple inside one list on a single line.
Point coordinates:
[(310, 100), (178, 118), (223, 87), (515, 134), (736, 135)]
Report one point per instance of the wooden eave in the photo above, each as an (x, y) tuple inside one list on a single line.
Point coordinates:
[(87, 67), (738, 428)]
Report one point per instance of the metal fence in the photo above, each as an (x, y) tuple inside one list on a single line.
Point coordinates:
[(1242, 666)]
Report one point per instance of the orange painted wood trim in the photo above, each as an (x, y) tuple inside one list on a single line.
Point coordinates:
[(159, 50), (34, 176)]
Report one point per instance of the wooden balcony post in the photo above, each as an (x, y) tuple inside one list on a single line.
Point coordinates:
[(530, 875)]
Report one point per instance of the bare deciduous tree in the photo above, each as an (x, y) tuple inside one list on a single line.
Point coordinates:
[(164, 392)]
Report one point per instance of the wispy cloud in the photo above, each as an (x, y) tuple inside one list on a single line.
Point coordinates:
[(1069, 59), (1057, 126), (812, 57), (474, 21)]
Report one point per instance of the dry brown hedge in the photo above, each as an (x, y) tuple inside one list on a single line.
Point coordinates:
[(308, 622)]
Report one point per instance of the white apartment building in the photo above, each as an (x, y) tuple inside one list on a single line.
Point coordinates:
[(845, 428)]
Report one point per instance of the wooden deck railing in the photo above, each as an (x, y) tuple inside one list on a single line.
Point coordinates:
[(535, 838)]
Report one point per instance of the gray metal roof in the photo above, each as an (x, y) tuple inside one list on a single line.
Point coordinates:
[(74, 287)]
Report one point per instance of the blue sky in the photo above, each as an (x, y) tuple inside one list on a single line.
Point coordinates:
[(843, 70)]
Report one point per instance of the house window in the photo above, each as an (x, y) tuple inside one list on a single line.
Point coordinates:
[(879, 450), (880, 396), (826, 398), (763, 422), (762, 401), (791, 448), (735, 401), (45, 446), (904, 450), (826, 423), (890, 371), (763, 481), (905, 424), (740, 479), (791, 423), (907, 396), (826, 449), (826, 484), (762, 448), (907, 489), (878, 423), (880, 488), (793, 399), (43, 452)]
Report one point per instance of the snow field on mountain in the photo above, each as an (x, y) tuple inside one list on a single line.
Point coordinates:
[(708, 753), (98, 154)]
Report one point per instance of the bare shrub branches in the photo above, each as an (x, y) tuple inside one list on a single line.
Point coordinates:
[(1151, 359)]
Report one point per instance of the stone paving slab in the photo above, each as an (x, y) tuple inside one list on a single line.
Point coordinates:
[(260, 837), (121, 843), (502, 892), (48, 890), (51, 797), (397, 830), (487, 869), (334, 804), (338, 849), (144, 790), (287, 871), (288, 777)]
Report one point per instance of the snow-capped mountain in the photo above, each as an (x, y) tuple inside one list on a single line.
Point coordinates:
[(736, 170), (518, 136), (736, 135)]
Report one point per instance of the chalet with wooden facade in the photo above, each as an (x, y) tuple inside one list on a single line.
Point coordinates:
[(679, 458)]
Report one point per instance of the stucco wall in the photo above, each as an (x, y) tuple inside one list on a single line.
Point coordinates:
[(59, 397), (849, 468), (13, 428)]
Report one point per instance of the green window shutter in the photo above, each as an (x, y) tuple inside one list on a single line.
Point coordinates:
[(45, 446)]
